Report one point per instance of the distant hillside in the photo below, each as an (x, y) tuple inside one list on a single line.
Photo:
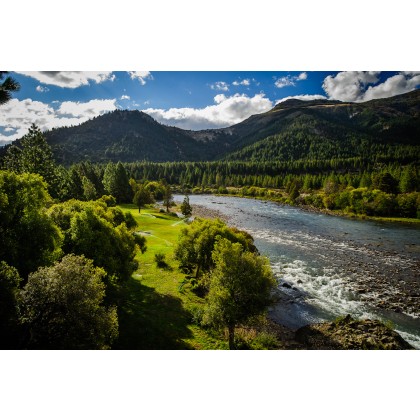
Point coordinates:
[(293, 129), (385, 128), (123, 136)]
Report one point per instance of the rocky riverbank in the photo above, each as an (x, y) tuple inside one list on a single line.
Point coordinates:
[(206, 213), (350, 334)]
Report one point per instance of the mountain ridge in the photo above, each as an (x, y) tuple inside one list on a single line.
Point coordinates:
[(129, 136)]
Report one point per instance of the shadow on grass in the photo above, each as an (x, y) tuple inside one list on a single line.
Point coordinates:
[(151, 321)]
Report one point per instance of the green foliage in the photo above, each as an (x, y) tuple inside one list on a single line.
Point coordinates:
[(142, 197), (160, 260), (89, 190), (62, 306), (109, 200), (409, 180), (240, 287), (186, 208), (35, 156), (116, 182), (196, 243), (140, 241), (385, 182), (98, 232), (7, 86), (168, 198), (157, 189), (28, 237), (9, 290)]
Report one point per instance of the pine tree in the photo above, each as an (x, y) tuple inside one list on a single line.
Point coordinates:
[(7, 87), (186, 208)]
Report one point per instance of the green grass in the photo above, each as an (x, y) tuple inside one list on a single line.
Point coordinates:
[(155, 313)]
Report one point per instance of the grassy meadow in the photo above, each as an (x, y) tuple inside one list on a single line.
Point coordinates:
[(157, 312)]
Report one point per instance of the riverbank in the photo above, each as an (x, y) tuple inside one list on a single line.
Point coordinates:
[(336, 213)]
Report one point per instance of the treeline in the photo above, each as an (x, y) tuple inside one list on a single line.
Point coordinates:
[(87, 181)]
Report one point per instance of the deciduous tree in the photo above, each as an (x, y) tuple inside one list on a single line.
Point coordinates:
[(240, 287), (62, 306), (28, 237)]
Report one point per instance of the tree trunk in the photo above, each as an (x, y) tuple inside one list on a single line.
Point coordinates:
[(231, 329)]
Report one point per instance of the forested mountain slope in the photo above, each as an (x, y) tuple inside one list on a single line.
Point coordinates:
[(292, 130)]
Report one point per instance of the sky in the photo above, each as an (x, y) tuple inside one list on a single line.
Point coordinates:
[(189, 100)]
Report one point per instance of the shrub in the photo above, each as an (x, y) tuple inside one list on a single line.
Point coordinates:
[(160, 260)]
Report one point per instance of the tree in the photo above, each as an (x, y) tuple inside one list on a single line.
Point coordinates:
[(89, 190), (157, 189), (8, 86), (240, 287), (9, 290), (62, 306), (34, 156), (99, 233), (196, 243), (409, 180), (386, 182), (186, 208), (116, 182), (28, 237), (168, 198), (142, 197)]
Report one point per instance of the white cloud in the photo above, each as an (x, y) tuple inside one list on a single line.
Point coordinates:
[(302, 98), (360, 86), (349, 85), (290, 80), (125, 97), (395, 85), (141, 76), (228, 110), (220, 86), (302, 76), (42, 89), (245, 82), (89, 109), (69, 79), (19, 115)]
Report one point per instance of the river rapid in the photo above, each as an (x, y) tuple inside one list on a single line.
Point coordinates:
[(329, 266)]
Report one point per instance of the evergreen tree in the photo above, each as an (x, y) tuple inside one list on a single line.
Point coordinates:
[(116, 182), (186, 208), (409, 180), (8, 86), (168, 198), (34, 156)]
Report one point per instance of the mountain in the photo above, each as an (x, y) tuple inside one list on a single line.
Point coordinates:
[(293, 129), (389, 128)]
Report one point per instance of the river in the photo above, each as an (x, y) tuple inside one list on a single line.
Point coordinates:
[(329, 266)]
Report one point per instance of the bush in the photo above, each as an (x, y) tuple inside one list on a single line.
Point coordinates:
[(160, 260), (109, 200)]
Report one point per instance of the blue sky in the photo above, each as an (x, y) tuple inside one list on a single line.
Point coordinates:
[(190, 100)]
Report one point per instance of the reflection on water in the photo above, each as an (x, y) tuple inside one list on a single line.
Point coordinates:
[(329, 266)]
